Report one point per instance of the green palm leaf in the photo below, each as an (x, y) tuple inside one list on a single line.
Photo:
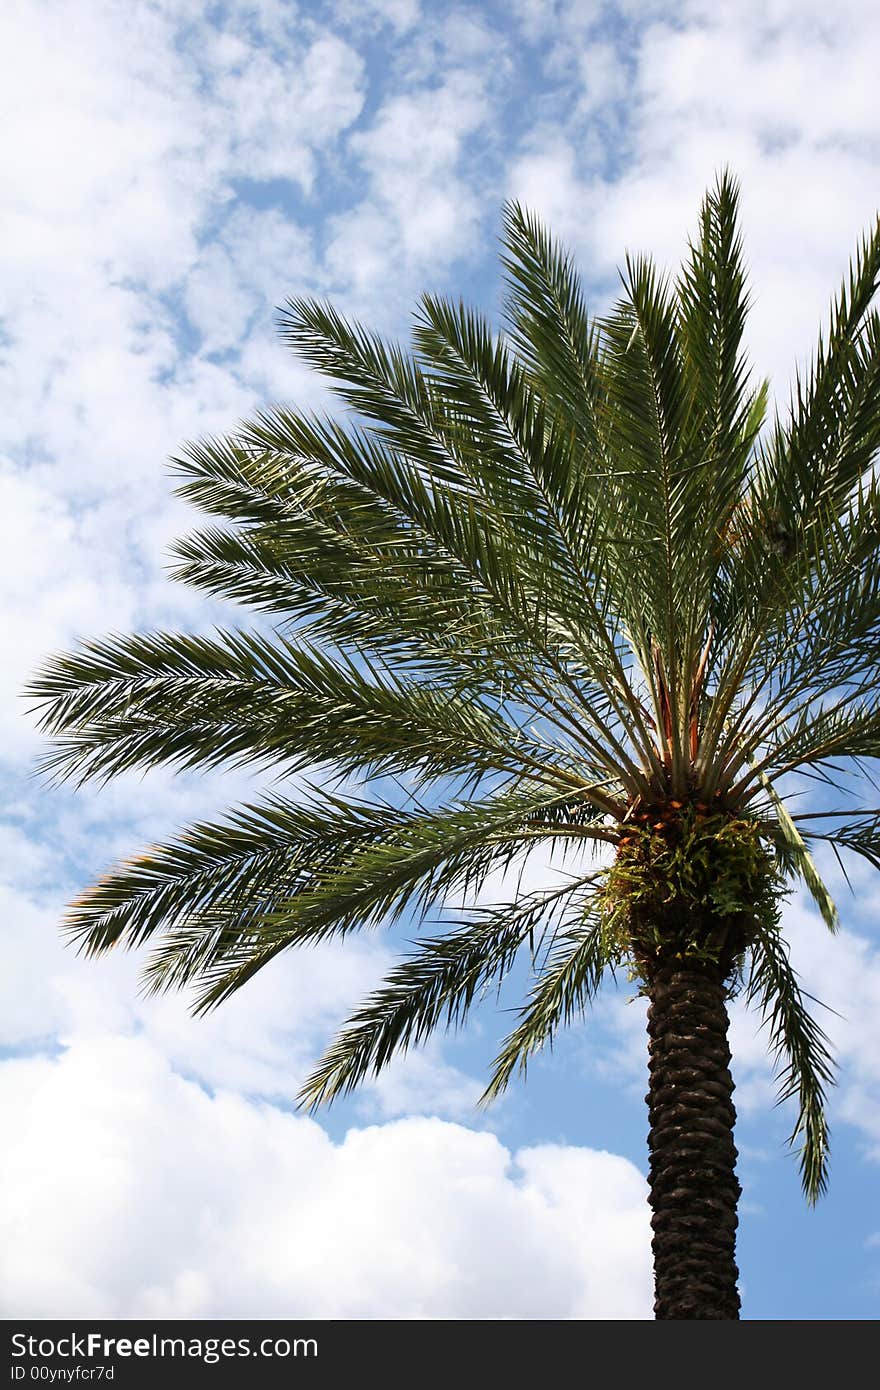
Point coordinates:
[(437, 984), (562, 990), (795, 1037)]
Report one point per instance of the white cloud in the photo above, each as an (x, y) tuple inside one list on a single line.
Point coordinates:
[(422, 209), (421, 1082), (716, 85), (401, 15), (49, 590), (139, 1195)]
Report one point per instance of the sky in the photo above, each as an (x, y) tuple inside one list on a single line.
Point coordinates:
[(171, 171)]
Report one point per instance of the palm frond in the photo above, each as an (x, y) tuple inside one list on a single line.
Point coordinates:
[(256, 853), (833, 623), (660, 494), (795, 1037), (331, 554), (518, 454), (796, 858), (241, 698), (562, 989), (806, 473), (859, 833), (279, 873), (438, 984), (834, 428), (714, 303), (551, 330)]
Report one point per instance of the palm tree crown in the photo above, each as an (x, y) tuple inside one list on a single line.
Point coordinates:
[(561, 584)]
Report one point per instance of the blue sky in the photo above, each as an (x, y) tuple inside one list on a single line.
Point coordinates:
[(173, 170)]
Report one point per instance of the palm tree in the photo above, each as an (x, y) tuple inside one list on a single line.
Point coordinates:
[(554, 587)]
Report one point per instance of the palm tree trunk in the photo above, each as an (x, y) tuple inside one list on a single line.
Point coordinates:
[(693, 1184)]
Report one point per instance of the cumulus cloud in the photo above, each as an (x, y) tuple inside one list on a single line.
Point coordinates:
[(140, 1195)]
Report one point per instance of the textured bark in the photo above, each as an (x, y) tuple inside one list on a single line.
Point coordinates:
[(693, 1185)]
